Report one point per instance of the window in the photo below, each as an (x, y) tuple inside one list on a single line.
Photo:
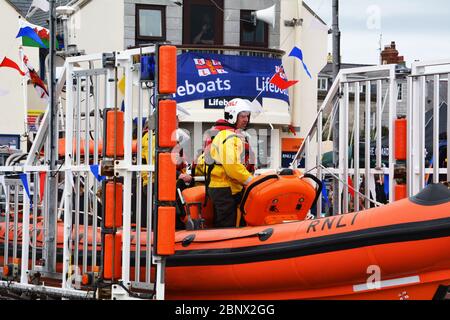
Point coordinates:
[(399, 91), (251, 35), (203, 22), (323, 84), (150, 23)]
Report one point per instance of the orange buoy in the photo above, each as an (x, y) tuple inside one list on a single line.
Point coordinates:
[(166, 231), (113, 197), (113, 250), (167, 123), (400, 139), (166, 177), (167, 69), (400, 192), (114, 135)]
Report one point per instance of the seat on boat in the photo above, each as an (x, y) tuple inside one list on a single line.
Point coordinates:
[(277, 198), (197, 214)]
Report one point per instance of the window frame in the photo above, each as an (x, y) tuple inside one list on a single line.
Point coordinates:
[(324, 80), (218, 22), (243, 43), (138, 36), (399, 92)]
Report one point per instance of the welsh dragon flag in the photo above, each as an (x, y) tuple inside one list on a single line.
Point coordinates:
[(34, 36)]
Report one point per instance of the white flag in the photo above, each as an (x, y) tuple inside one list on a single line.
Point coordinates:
[(318, 25), (41, 4)]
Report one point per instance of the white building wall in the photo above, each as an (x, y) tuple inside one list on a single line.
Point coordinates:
[(98, 27), (12, 106), (311, 37)]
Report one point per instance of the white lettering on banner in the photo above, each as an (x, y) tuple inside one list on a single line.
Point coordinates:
[(202, 87), (188, 88), (263, 84), (216, 102)]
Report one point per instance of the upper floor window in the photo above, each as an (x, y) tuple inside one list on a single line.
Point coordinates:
[(400, 92), (203, 22), (323, 84), (251, 35), (150, 23)]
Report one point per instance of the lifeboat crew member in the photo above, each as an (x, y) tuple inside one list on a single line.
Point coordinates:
[(227, 173)]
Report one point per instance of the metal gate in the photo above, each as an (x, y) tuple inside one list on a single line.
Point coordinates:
[(358, 114), (106, 111), (428, 124)]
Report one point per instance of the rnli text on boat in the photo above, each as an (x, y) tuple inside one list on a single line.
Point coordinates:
[(341, 221)]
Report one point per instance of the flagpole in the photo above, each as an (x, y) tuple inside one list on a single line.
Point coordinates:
[(53, 135), (336, 68), (25, 100)]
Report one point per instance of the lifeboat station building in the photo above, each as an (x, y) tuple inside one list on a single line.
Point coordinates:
[(222, 54)]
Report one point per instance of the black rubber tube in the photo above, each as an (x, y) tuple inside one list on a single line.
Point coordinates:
[(319, 187)]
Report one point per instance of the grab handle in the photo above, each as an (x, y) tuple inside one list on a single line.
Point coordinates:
[(319, 186)]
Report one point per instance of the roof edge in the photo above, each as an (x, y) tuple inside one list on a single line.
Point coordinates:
[(313, 13), (15, 8)]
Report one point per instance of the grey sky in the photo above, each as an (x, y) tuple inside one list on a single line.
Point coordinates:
[(421, 29)]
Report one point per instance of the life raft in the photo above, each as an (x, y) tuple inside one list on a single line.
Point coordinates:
[(397, 251)]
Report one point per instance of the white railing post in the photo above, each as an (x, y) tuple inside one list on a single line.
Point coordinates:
[(127, 189), (392, 117), (25, 235), (68, 188)]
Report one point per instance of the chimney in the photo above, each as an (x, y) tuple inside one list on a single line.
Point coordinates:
[(390, 55)]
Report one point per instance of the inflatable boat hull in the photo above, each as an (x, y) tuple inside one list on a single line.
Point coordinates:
[(398, 251)]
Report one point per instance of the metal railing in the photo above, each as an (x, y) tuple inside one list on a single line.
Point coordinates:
[(91, 88), (361, 110), (428, 124), (354, 109)]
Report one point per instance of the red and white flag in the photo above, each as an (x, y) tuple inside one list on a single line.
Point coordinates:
[(37, 82), (282, 83)]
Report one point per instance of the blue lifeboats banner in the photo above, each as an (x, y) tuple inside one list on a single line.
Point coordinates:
[(205, 76)]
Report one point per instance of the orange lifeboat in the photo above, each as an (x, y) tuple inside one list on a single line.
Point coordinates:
[(392, 252)]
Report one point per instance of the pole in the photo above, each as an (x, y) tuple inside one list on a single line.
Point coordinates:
[(336, 68), (336, 40), (53, 177)]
